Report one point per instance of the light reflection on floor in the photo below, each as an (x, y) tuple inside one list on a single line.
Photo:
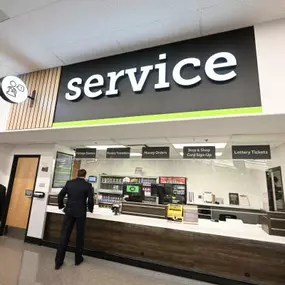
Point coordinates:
[(25, 264)]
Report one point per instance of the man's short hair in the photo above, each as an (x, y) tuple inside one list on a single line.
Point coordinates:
[(81, 173)]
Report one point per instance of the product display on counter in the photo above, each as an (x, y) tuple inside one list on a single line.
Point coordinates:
[(176, 187), (175, 212), (208, 197), (190, 215), (234, 198)]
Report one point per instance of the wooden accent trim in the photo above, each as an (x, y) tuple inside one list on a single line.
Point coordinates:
[(46, 84), (76, 167), (26, 103), (54, 99)]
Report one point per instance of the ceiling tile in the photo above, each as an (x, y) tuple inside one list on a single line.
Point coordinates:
[(82, 30), (15, 7), (239, 13), (157, 33), (101, 46), (162, 6)]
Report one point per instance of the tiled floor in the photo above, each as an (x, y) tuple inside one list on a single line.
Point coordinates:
[(24, 264)]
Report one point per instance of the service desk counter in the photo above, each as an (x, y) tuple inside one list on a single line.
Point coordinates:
[(230, 250)]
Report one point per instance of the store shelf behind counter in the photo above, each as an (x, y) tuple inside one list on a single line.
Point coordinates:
[(221, 212)]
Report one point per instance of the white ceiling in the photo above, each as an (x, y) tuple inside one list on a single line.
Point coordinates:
[(252, 129), (47, 33)]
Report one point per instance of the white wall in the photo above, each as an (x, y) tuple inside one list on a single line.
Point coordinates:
[(270, 45), (278, 159), (201, 176), (5, 161), (4, 114)]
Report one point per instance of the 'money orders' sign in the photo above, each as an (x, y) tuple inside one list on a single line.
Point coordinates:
[(155, 152)]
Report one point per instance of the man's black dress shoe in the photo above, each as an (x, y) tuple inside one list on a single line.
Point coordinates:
[(79, 262), (58, 266)]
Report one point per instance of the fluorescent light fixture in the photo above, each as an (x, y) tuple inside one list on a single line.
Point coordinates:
[(217, 145), (135, 154), (104, 147), (217, 153)]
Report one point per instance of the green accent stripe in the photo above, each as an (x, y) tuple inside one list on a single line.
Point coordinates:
[(159, 117)]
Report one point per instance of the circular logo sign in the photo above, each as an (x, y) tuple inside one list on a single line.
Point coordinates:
[(13, 90)]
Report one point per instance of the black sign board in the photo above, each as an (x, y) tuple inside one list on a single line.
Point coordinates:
[(155, 152), (85, 153), (199, 152), (251, 152), (118, 152), (106, 88)]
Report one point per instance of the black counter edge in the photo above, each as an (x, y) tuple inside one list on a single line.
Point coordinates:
[(147, 265)]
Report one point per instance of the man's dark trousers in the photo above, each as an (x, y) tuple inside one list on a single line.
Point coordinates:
[(67, 227)]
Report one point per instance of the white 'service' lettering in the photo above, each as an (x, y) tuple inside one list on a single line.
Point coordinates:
[(138, 76)]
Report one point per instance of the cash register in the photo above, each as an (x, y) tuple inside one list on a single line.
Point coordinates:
[(133, 192)]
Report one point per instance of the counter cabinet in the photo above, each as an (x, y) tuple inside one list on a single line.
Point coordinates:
[(246, 261)]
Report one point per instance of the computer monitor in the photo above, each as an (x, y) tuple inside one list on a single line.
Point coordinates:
[(134, 191), (92, 179), (159, 191)]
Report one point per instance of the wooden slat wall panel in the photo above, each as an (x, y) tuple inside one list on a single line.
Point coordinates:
[(46, 83)]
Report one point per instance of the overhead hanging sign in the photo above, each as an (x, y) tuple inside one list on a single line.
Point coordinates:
[(251, 152), (155, 152), (208, 76), (82, 153), (199, 152), (118, 152)]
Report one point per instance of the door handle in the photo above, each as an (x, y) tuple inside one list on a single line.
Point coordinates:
[(39, 194)]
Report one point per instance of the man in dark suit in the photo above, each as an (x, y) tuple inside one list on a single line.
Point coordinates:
[(78, 192)]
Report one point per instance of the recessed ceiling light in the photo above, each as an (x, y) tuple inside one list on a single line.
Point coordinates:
[(135, 154), (217, 145), (104, 147)]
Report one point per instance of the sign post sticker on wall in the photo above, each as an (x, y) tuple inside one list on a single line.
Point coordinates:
[(13, 90)]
